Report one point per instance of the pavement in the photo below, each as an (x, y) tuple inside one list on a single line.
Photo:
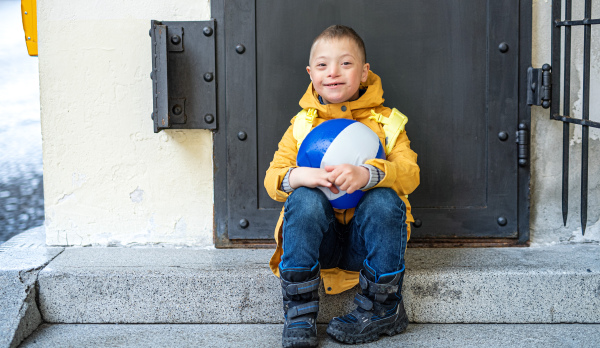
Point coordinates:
[(269, 335)]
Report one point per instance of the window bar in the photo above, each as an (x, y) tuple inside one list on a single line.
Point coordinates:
[(566, 111), (585, 131)]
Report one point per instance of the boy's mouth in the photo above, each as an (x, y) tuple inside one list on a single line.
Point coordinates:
[(333, 84)]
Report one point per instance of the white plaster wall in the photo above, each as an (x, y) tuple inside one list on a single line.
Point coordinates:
[(546, 183), (108, 179)]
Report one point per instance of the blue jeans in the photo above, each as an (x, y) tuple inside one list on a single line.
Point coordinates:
[(376, 234)]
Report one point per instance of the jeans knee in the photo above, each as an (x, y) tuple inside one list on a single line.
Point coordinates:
[(310, 202), (381, 201)]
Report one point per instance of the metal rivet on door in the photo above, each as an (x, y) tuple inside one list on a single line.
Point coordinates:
[(503, 47), (177, 109), (503, 136), (175, 39), (242, 135), (244, 223), (207, 31), (208, 118), (208, 77), (240, 48), (417, 223), (502, 221)]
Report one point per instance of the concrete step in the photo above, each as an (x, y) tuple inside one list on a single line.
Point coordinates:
[(269, 335), (21, 259), (554, 284)]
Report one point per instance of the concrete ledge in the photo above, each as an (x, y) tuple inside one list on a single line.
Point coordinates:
[(141, 285), (21, 258), (557, 284), (269, 335)]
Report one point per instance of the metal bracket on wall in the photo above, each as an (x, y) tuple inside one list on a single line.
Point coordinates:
[(539, 82), (183, 75)]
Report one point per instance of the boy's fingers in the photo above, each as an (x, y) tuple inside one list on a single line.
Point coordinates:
[(341, 182), (330, 186), (330, 168), (325, 183), (332, 177), (344, 186)]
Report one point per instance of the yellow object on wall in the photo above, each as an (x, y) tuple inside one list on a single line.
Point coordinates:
[(29, 15)]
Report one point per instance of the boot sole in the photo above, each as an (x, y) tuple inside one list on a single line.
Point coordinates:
[(391, 329), (291, 342)]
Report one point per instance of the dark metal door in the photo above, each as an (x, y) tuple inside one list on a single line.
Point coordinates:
[(453, 67)]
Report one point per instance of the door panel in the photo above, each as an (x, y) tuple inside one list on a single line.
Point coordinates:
[(440, 65)]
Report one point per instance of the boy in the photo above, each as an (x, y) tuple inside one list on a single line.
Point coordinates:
[(362, 245)]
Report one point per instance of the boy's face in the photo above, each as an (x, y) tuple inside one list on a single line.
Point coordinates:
[(337, 69)]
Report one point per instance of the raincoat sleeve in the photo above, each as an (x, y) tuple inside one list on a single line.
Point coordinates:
[(283, 160), (400, 167)]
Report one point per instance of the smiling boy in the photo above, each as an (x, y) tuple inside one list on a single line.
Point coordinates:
[(365, 244)]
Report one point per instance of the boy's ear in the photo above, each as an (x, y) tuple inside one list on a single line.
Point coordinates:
[(365, 72), (308, 71)]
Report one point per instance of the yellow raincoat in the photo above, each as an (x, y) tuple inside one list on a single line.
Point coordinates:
[(400, 167)]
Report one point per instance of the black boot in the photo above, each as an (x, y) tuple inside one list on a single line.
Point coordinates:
[(301, 305), (380, 310)]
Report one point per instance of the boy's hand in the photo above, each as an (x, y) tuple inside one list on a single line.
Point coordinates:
[(348, 177), (311, 177)]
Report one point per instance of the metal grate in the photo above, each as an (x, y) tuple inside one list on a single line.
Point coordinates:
[(557, 38)]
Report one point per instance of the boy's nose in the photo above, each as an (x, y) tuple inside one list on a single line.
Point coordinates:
[(333, 70)]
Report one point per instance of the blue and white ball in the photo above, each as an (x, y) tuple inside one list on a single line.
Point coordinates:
[(335, 142)]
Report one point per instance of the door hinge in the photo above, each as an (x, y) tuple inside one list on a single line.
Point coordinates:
[(539, 82), (523, 144), (183, 75)]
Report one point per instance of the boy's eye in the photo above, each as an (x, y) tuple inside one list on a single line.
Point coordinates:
[(321, 64), (346, 63)]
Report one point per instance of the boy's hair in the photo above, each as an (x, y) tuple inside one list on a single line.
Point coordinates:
[(339, 32)]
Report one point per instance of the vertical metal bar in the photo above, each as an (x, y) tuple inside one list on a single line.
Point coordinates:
[(556, 66), (587, 31), (162, 118), (555, 50), (566, 112)]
